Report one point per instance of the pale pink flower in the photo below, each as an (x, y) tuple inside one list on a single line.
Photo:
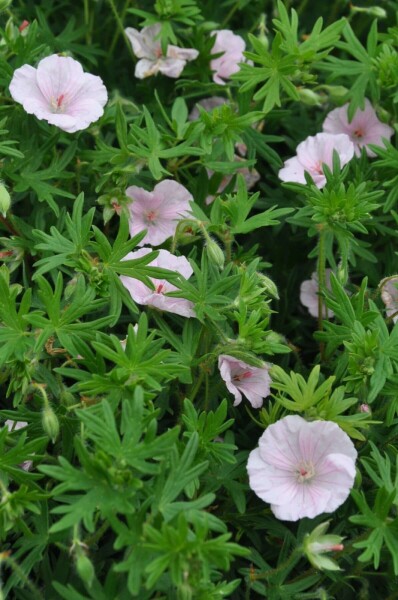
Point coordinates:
[(389, 295), (232, 46), (364, 129), (309, 295), (146, 46), (14, 426), (159, 211), (144, 295), (241, 378), (59, 92), (312, 153), (302, 469), (365, 408), (251, 177)]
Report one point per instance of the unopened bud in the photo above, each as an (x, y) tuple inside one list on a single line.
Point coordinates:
[(50, 423), (309, 97), (317, 543), (336, 92), (214, 253), (372, 11), (85, 568), (269, 286), (5, 200), (262, 32)]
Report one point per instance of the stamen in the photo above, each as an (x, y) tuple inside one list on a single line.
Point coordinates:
[(244, 375), (159, 289)]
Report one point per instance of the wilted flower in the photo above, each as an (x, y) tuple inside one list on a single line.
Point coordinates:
[(389, 295), (146, 46), (241, 378), (317, 543), (208, 104), (313, 153), (364, 129), (59, 92), (365, 408), (232, 46), (251, 176), (302, 469), (309, 295), (144, 295), (14, 426), (158, 211)]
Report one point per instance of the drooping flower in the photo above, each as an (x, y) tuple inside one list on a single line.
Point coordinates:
[(241, 378), (158, 211), (312, 153), (144, 295), (232, 46), (364, 129), (302, 468), (389, 295), (60, 92), (309, 295), (147, 47)]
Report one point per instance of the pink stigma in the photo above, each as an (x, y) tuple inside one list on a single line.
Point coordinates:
[(151, 216), (244, 375), (358, 133), (60, 100), (159, 289)]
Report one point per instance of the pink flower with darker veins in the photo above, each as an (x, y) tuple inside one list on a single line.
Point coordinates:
[(313, 153), (301, 468), (147, 47), (241, 378), (60, 92), (364, 129), (232, 47), (142, 294), (158, 211)]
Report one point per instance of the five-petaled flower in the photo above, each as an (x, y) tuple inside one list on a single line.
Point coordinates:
[(142, 294), (158, 211), (309, 295), (313, 153), (241, 378), (302, 468), (60, 92), (364, 129), (232, 47), (147, 47)]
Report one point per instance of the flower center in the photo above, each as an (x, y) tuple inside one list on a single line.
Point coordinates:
[(318, 168), (158, 52), (240, 376), (151, 216), (305, 471), (358, 133), (159, 289), (57, 104)]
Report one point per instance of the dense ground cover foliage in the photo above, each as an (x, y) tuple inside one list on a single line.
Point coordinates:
[(198, 300)]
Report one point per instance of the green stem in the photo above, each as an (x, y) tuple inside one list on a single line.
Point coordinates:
[(87, 21), (230, 15), (321, 285), (117, 32), (121, 29), (292, 558)]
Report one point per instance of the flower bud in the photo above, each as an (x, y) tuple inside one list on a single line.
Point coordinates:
[(262, 32), (5, 200), (372, 11), (316, 543), (214, 253), (85, 568), (365, 408), (309, 97), (50, 423), (269, 286)]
